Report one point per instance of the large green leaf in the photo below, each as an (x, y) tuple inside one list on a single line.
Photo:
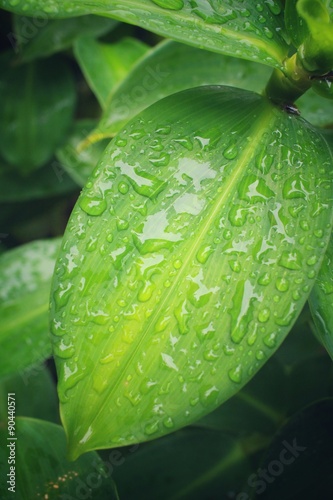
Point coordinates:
[(38, 101), (248, 30), (168, 68), (41, 37), (185, 263), (105, 65), (41, 470), (25, 274)]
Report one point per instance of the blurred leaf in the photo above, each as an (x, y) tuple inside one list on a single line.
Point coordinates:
[(25, 274), (42, 470), (38, 102), (243, 30), (50, 180), (299, 462), (180, 234), (321, 301), (106, 65), (35, 394), (193, 464), (169, 68), (41, 37), (314, 108)]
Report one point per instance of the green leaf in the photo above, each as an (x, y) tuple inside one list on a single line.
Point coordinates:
[(48, 181), (42, 470), (314, 108), (247, 31), (185, 263), (321, 301), (38, 102), (296, 26), (35, 393), (80, 164), (299, 461), (106, 65), (25, 274), (192, 464), (41, 37), (169, 68)]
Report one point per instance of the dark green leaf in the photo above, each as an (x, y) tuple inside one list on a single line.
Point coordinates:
[(38, 101), (40, 37), (80, 164), (106, 65), (50, 180), (25, 274), (42, 470), (299, 462), (249, 30), (314, 108), (35, 393), (186, 261), (169, 68), (192, 464)]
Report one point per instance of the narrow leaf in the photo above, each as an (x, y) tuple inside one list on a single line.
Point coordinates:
[(41, 37), (105, 65), (38, 101), (41, 469), (168, 68), (185, 263), (246, 30), (25, 274)]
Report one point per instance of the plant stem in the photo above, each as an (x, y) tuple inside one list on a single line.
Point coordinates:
[(287, 87)]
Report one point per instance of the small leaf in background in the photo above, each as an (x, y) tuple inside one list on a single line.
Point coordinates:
[(253, 31), (168, 68), (38, 101), (80, 164), (321, 301), (106, 65), (316, 109), (25, 274), (192, 464), (42, 470), (41, 37), (186, 261), (299, 462), (47, 181), (35, 394)]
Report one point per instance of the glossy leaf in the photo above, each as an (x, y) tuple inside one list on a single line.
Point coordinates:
[(106, 65), (296, 26), (35, 394), (185, 263), (48, 181), (42, 470), (321, 301), (169, 68), (192, 464), (25, 274), (80, 164), (38, 101), (299, 461), (40, 37), (246, 30)]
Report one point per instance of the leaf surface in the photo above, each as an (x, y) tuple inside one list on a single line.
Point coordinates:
[(247, 30), (106, 65), (42, 470), (25, 274), (185, 263), (38, 101)]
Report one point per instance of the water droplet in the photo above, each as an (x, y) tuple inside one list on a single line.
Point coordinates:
[(208, 395), (254, 190), (123, 187), (291, 260), (270, 340), (318, 233), (177, 264), (235, 266), (168, 423), (273, 6), (210, 355), (92, 205), (264, 315), (296, 187), (235, 374), (312, 260), (203, 253), (182, 315), (238, 215), (282, 284), (264, 279), (260, 355), (153, 427)]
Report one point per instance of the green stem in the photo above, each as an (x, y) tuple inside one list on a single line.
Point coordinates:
[(287, 87)]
